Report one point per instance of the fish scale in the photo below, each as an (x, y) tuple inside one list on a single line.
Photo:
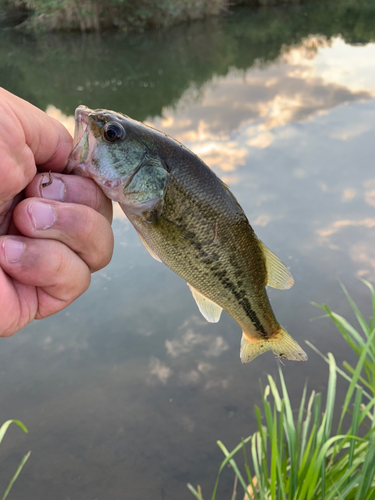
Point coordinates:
[(188, 219)]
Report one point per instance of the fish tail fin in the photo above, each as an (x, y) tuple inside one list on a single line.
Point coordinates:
[(281, 344)]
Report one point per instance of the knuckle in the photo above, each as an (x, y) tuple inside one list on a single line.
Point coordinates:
[(79, 286), (103, 260), (73, 280), (59, 264), (97, 240), (100, 203), (102, 253), (87, 233), (86, 282), (8, 330), (86, 224)]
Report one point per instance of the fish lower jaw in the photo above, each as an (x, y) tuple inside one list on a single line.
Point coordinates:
[(112, 189), (76, 170)]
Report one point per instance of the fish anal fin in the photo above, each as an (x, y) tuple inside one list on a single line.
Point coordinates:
[(278, 275), (150, 251), (209, 309), (281, 344)]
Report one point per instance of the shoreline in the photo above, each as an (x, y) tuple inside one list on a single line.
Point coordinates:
[(123, 16)]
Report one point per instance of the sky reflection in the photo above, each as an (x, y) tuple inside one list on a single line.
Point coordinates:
[(247, 111)]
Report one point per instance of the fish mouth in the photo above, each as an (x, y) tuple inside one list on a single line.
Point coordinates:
[(83, 142)]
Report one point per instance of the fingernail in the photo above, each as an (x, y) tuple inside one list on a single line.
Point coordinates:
[(55, 191), (13, 249), (42, 215)]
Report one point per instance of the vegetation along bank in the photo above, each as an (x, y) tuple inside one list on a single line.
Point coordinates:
[(125, 15)]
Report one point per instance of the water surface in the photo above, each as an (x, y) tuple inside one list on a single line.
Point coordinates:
[(126, 392)]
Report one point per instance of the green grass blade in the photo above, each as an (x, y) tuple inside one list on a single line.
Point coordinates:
[(225, 461), (19, 468), (355, 376), (351, 370), (339, 371), (356, 311), (331, 394), (196, 492), (368, 472), (246, 463), (274, 456), (6, 424), (369, 285), (355, 423), (261, 486)]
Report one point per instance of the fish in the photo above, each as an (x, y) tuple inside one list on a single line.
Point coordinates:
[(188, 219)]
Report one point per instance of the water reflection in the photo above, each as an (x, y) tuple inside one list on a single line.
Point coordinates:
[(254, 107), (249, 106), (128, 390)]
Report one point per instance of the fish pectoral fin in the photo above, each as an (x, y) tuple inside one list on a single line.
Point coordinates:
[(278, 275), (150, 251), (209, 309), (281, 344)]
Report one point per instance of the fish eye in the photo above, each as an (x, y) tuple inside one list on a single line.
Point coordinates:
[(114, 132)]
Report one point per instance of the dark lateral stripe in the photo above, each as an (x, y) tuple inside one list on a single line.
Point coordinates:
[(243, 301), (253, 316)]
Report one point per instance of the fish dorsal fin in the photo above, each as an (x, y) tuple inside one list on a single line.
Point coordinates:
[(209, 309), (278, 275), (151, 252)]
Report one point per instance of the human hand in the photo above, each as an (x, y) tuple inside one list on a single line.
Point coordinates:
[(51, 238)]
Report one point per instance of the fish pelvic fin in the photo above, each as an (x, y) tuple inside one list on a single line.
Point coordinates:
[(209, 309), (281, 344)]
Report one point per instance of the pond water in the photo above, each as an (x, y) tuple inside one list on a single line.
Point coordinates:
[(126, 392)]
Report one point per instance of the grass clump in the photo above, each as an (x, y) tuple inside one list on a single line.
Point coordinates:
[(362, 344), (301, 458)]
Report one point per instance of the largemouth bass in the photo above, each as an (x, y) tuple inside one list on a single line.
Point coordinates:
[(188, 219)]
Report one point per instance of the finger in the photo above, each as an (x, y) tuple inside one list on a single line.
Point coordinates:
[(70, 189), (61, 275), (81, 228), (17, 166), (48, 139), (18, 305), (6, 212)]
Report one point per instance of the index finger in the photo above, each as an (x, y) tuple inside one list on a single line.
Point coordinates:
[(48, 139)]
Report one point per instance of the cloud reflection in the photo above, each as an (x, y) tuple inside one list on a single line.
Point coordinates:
[(348, 194), (245, 111), (188, 339), (360, 245), (159, 371), (186, 343), (340, 224), (191, 342), (363, 254)]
